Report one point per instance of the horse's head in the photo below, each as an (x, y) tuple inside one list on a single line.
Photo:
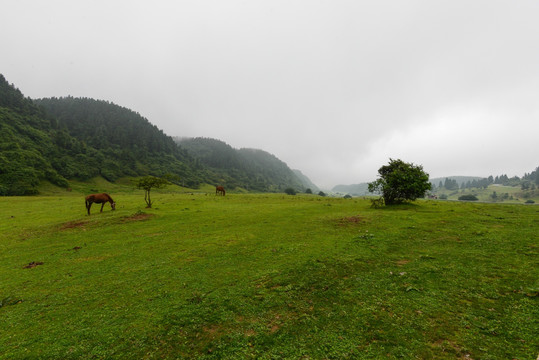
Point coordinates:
[(113, 205)]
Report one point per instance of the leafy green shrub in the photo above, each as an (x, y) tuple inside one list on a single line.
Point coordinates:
[(290, 191), (400, 182), (468, 198), (530, 201)]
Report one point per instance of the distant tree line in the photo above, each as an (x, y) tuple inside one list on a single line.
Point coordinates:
[(528, 181)]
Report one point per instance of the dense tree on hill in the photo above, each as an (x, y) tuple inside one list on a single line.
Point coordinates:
[(532, 177), (451, 184)]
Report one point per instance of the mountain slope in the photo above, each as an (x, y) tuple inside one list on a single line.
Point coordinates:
[(127, 143), (307, 183), (28, 146), (251, 169), (58, 139)]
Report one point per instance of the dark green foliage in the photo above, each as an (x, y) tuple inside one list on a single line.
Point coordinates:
[(308, 191), (321, 193), (451, 184), (27, 146), (118, 142), (400, 182), (468, 198), (290, 191), (252, 169)]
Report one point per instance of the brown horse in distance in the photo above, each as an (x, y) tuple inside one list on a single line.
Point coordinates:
[(99, 199), (219, 190)]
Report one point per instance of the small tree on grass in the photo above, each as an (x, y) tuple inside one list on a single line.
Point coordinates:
[(290, 191), (148, 183), (400, 182)]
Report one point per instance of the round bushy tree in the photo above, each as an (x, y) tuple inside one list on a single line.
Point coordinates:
[(400, 182), (290, 191)]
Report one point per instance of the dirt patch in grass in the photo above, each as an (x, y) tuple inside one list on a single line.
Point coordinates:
[(402, 262), (73, 225), (351, 220), (138, 216), (249, 332), (33, 264)]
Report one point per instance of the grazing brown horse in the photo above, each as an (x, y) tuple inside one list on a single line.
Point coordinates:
[(219, 190), (99, 199)]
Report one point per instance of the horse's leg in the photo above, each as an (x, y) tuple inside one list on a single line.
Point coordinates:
[(88, 206), (103, 204)]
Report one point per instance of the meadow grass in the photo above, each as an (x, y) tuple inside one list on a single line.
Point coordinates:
[(266, 276)]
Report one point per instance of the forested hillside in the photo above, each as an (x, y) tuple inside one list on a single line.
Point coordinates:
[(127, 144), (59, 139), (251, 169), (29, 144)]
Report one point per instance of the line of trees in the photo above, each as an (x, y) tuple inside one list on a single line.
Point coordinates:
[(528, 181)]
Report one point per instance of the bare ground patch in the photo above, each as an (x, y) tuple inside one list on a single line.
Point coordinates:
[(402, 262), (138, 216), (73, 225), (33, 264), (350, 220)]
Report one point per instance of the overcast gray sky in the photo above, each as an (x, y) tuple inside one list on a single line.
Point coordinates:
[(332, 88)]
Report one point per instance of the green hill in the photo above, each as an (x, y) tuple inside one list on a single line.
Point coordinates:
[(30, 145), (62, 139), (307, 183), (127, 144), (251, 169)]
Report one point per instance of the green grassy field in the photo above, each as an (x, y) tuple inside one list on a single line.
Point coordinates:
[(266, 276)]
